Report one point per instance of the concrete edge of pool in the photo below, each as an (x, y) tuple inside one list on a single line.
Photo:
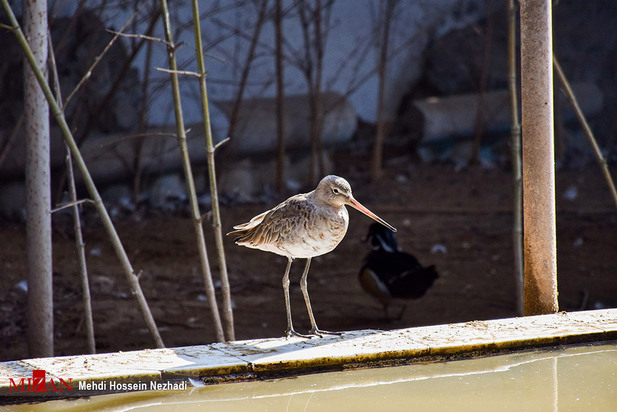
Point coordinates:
[(262, 358)]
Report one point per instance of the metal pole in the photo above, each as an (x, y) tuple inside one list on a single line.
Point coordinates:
[(539, 234)]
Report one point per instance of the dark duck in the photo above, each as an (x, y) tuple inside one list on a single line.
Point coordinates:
[(388, 274)]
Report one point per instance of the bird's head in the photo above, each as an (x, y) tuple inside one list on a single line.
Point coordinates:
[(381, 239), (335, 191)]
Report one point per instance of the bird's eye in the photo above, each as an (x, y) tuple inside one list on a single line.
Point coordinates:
[(335, 191)]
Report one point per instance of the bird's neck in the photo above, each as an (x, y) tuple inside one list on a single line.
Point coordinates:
[(317, 200)]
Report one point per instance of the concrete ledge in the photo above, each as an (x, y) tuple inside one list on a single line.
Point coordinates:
[(259, 358)]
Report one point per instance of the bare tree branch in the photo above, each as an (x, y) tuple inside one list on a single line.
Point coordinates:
[(72, 203), (88, 73), (216, 214), (182, 72), (137, 36), (188, 174)]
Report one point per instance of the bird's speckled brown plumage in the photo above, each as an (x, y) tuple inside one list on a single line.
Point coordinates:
[(304, 226), (296, 228)]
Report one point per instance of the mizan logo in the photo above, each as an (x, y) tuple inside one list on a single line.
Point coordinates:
[(39, 383)]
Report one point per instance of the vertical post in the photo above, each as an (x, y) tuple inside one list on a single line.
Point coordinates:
[(517, 177), (38, 195), (539, 234)]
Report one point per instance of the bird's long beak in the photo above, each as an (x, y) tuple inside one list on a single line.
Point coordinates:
[(358, 206)]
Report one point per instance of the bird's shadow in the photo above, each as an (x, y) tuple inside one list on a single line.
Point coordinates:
[(264, 358)]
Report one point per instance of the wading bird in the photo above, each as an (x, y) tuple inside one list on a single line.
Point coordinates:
[(302, 227)]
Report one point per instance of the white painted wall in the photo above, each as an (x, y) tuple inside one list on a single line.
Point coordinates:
[(350, 60)]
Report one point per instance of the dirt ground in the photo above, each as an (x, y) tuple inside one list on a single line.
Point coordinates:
[(459, 221)]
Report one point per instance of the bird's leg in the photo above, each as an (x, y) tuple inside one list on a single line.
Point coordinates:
[(303, 286), (400, 315), (385, 310), (290, 329)]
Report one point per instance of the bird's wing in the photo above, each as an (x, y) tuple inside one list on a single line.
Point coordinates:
[(275, 224), (253, 222), (370, 282)]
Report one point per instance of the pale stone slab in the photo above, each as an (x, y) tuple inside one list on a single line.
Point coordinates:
[(268, 357), (196, 361), (362, 347)]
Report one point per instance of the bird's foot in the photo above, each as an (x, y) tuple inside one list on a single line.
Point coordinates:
[(291, 332), (320, 333), (397, 318)]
